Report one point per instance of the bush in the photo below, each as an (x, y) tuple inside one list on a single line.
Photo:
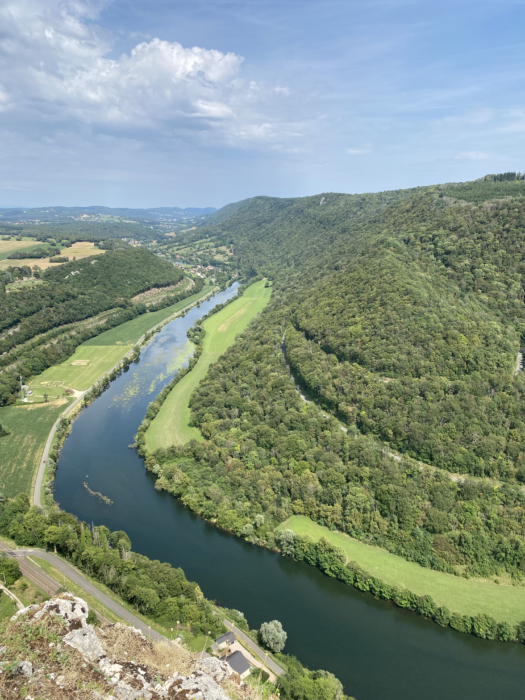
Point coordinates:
[(273, 635), (9, 569), (92, 618)]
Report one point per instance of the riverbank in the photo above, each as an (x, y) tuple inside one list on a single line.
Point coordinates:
[(465, 596), (172, 423), (32, 426)]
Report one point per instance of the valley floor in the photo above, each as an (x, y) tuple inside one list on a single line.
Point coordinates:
[(171, 425), (467, 596)]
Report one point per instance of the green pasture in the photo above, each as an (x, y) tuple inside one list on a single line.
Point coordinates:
[(467, 596), (21, 451), (82, 369), (27, 244), (171, 425), (128, 333)]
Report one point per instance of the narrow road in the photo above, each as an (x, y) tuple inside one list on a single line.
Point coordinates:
[(80, 580), (253, 646), (37, 501)]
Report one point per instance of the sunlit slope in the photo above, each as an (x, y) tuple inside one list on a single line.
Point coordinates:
[(171, 425)]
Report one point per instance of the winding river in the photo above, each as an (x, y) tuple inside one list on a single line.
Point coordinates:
[(377, 650)]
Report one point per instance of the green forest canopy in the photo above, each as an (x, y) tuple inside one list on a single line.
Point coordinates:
[(402, 313)]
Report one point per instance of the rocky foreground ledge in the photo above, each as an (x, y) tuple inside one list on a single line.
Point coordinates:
[(50, 651)]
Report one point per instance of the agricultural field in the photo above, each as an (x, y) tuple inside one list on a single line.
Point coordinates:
[(21, 450), (171, 426), (82, 249), (467, 596), (82, 369), (128, 333), (97, 356), (7, 247)]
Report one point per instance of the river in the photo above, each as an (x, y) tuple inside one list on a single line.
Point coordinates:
[(379, 652)]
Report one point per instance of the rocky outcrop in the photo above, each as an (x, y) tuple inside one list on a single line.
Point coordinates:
[(105, 663)]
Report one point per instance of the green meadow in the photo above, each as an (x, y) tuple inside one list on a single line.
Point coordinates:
[(128, 333), (21, 451), (171, 425), (467, 596), (99, 354)]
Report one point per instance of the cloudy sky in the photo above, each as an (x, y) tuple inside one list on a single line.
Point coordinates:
[(204, 102)]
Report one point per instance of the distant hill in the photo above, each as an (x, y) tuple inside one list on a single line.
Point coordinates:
[(57, 214)]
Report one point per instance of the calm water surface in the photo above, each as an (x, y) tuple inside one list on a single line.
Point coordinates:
[(378, 651)]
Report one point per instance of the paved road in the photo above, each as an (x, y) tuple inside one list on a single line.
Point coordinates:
[(42, 467), (253, 646), (81, 581)]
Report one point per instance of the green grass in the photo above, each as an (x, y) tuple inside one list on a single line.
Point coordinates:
[(81, 376), (7, 607), (467, 596), (8, 247), (128, 333), (21, 451), (171, 426)]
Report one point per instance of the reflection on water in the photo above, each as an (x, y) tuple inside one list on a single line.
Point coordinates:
[(379, 652)]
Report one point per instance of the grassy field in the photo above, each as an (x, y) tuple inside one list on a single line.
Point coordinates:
[(21, 451), (83, 249), (467, 596), (98, 355), (82, 369), (128, 333), (7, 247), (171, 426)]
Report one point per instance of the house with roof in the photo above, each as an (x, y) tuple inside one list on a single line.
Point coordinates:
[(225, 640), (238, 663)]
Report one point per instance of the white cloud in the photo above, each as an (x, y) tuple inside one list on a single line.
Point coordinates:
[(360, 150), (472, 155), (55, 70)]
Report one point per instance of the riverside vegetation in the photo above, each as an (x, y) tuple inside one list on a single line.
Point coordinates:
[(402, 315), (156, 589)]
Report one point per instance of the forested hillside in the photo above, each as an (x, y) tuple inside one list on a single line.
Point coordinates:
[(402, 313)]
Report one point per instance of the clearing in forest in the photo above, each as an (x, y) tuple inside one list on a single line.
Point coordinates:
[(21, 450), (82, 249), (466, 596), (171, 425)]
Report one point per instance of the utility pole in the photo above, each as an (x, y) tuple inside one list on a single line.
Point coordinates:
[(21, 387)]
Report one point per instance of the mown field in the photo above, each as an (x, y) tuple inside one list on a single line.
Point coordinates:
[(467, 596), (171, 426), (128, 333), (83, 249), (7, 247), (21, 451), (98, 355), (82, 369)]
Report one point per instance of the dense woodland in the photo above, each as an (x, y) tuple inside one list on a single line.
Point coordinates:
[(402, 313)]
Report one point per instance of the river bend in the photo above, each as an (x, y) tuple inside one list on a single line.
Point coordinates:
[(379, 652)]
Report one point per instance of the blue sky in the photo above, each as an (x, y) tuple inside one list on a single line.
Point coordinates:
[(201, 103)]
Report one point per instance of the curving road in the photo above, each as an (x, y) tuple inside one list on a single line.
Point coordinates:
[(51, 587)]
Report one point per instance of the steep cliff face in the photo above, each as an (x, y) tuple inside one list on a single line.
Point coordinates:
[(50, 651)]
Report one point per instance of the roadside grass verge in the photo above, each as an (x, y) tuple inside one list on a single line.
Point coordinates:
[(21, 450), (466, 596), (171, 425)]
